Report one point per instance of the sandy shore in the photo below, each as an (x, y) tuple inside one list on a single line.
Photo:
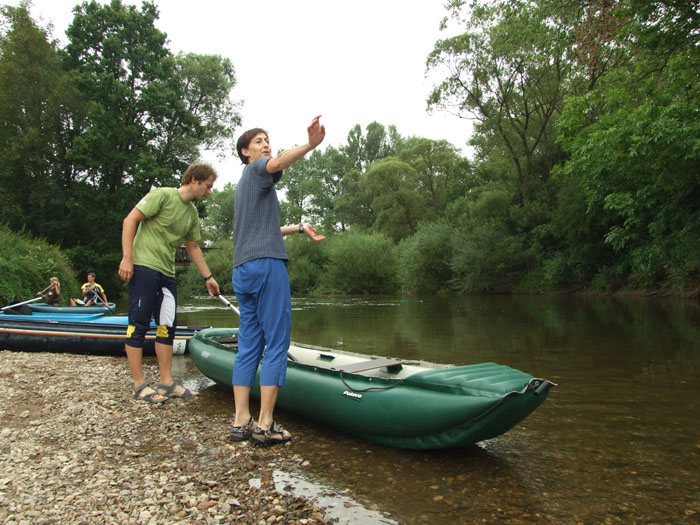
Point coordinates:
[(75, 448)]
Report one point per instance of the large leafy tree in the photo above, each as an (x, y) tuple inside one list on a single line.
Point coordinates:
[(113, 112), (393, 186), (40, 115), (149, 110), (327, 188), (442, 174), (510, 70), (634, 144)]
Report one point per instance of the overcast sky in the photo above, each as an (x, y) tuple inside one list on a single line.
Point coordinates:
[(354, 62)]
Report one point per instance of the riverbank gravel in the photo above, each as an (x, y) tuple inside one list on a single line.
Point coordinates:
[(75, 448)]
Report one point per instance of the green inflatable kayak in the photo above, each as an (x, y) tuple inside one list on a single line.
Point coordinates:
[(397, 403)]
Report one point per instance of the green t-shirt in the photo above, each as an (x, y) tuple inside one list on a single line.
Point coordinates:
[(169, 221)]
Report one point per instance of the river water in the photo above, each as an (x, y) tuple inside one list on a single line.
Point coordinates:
[(617, 441)]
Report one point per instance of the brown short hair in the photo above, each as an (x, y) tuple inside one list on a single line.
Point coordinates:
[(200, 171), (244, 141)]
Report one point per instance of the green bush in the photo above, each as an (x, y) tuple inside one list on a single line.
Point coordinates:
[(306, 263), (27, 263), (360, 263), (424, 258), (488, 259)]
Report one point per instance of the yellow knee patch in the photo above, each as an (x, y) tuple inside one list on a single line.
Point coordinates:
[(130, 330), (162, 331)]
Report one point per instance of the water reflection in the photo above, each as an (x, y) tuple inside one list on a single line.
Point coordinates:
[(617, 441)]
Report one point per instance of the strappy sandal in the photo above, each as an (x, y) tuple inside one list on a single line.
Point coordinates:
[(264, 438), (242, 433), (170, 391), (148, 398)]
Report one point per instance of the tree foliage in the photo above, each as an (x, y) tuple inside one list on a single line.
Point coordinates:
[(585, 173), (88, 129), (634, 145)]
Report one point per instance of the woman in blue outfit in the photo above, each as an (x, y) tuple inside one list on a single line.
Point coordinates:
[(260, 281)]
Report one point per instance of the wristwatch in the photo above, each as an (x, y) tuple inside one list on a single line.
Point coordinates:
[(207, 277), (301, 227)]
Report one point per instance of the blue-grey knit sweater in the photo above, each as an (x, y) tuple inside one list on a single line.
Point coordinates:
[(256, 220)]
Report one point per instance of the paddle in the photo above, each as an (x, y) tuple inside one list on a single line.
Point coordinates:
[(228, 303), (98, 298), (20, 304)]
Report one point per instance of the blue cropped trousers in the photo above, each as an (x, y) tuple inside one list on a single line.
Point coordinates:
[(265, 302)]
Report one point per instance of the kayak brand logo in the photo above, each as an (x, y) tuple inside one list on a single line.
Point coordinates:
[(353, 395)]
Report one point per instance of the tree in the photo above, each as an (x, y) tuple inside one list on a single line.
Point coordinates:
[(150, 111), (298, 182), (114, 111), (40, 115), (509, 71), (219, 220), (393, 186), (441, 172), (633, 143), (206, 82)]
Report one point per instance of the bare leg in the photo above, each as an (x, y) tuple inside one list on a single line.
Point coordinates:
[(134, 356), (268, 398), (164, 353), (241, 396)]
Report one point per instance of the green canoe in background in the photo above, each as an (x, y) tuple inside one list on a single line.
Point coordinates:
[(402, 404)]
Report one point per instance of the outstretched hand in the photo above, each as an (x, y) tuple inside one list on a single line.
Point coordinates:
[(312, 233), (316, 132)]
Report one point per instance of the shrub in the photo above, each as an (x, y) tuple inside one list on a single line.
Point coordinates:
[(306, 262), (26, 263), (360, 263), (424, 258), (488, 259)]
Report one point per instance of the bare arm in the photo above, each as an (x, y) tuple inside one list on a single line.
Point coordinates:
[(197, 258), (316, 133), (308, 230), (104, 298), (129, 226)]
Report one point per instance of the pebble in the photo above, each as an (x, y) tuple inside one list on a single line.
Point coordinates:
[(75, 448)]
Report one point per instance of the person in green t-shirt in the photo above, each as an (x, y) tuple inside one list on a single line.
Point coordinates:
[(151, 234)]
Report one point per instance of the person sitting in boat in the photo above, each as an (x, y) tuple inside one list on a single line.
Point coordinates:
[(52, 292), (91, 292), (261, 283)]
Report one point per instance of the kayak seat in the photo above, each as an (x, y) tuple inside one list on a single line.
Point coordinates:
[(393, 365)]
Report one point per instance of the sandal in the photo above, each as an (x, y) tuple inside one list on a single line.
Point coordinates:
[(264, 438), (148, 398), (242, 433), (170, 391)]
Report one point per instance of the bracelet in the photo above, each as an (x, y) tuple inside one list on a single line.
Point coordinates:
[(207, 277), (301, 227)]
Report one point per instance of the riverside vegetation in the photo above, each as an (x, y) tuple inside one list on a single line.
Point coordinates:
[(583, 174)]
